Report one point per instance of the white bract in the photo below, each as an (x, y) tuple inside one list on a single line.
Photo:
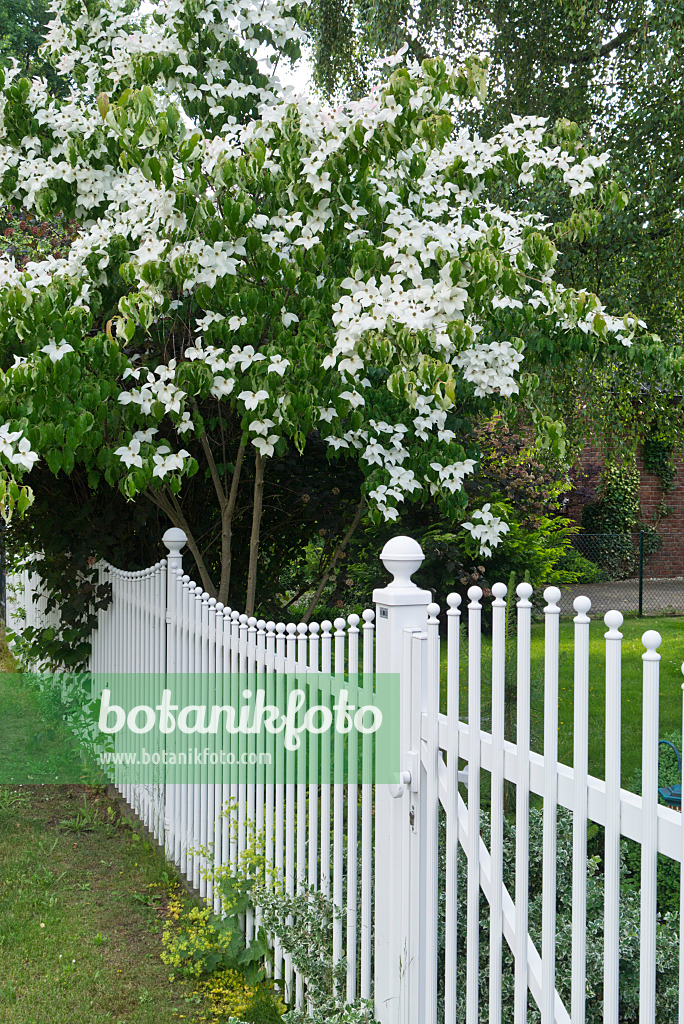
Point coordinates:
[(489, 531), (56, 352), (17, 454)]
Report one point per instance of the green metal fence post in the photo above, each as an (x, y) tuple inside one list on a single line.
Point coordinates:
[(641, 572)]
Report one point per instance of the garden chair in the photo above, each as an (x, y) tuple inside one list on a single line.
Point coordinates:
[(672, 795)]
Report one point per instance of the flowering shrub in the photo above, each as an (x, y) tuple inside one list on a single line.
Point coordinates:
[(253, 267)]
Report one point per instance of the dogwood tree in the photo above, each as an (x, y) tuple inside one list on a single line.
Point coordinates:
[(253, 267)]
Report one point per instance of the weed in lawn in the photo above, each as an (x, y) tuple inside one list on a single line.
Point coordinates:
[(10, 799), (84, 820), (149, 900), (8, 994), (45, 877)]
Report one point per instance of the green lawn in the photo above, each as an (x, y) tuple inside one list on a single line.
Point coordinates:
[(35, 746), (671, 679), (82, 892)]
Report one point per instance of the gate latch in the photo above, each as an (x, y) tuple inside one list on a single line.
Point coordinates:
[(408, 778)]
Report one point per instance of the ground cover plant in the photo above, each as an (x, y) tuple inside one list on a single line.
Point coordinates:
[(667, 940)]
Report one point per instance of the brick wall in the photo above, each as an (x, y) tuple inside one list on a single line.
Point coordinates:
[(669, 561)]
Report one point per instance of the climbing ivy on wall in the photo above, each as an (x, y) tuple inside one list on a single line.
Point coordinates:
[(616, 516), (617, 509), (658, 452)]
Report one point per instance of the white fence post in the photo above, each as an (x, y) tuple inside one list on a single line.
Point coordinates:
[(613, 763), (649, 842), (400, 606), (174, 539)]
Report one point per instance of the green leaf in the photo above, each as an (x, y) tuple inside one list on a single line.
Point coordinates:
[(54, 460)]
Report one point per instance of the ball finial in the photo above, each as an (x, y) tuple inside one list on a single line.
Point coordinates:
[(402, 556), (174, 539), (613, 620), (651, 641)]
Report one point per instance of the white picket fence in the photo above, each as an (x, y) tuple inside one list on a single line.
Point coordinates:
[(378, 846), (26, 601)]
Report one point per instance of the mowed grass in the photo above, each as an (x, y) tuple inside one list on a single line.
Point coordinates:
[(671, 679), (82, 895), (33, 749)]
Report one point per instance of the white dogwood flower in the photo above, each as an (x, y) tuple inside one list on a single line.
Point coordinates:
[(266, 445), (130, 454), (55, 351), (252, 398), (278, 365)]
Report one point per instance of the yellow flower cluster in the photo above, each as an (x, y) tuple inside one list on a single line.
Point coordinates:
[(229, 995), (188, 938)]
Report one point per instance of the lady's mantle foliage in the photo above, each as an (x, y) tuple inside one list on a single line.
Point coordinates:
[(362, 272)]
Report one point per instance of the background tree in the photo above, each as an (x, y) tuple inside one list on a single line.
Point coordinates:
[(23, 25), (617, 70)]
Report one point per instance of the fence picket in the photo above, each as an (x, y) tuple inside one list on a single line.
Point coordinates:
[(290, 795), (367, 814), (352, 813), (473, 898), (451, 873), (326, 759), (580, 763), (314, 762), (497, 795), (649, 845), (522, 802), (430, 700), (551, 615), (338, 799), (280, 645), (611, 940)]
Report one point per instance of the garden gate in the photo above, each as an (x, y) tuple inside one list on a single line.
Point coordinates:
[(395, 848)]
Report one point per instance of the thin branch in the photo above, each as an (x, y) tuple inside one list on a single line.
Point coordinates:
[(213, 469), (254, 539), (227, 513), (606, 49), (339, 551)]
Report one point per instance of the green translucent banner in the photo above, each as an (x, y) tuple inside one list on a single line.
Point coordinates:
[(231, 729)]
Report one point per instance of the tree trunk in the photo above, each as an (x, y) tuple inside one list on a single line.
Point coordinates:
[(227, 512), (254, 539), (339, 551)]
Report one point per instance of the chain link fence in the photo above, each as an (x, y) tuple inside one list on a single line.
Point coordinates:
[(613, 571)]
